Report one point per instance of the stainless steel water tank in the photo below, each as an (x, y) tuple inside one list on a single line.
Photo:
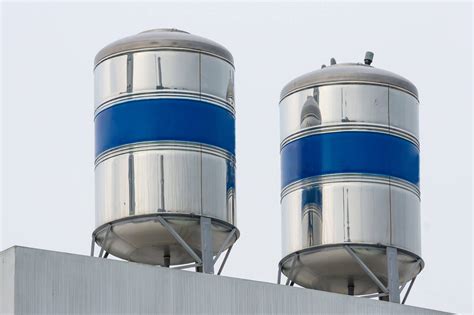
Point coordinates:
[(350, 176), (164, 145)]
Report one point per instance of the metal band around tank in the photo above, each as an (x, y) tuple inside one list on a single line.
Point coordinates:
[(373, 83), (170, 215), (364, 127), (164, 48), (349, 152), (349, 178), (165, 94), (165, 145), (167, 120), (309, 250)]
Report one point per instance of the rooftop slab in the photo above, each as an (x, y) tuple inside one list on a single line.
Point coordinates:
[(42, 281)]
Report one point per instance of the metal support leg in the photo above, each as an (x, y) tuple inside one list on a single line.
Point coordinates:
[(350, 289), (224, 261), (290, 272), (206, 246), (167, 261), (369, 296), (185, 266), (279, 274), (109, 228), (393, 277), (92, 245), (180, 240), (408, 290), (412, 274), (366, 269), (224, 245)]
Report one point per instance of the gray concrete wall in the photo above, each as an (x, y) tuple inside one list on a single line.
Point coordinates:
[(58, 283)]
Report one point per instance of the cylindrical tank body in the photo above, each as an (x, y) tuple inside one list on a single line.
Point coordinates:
[(350, 176), (164, 144)]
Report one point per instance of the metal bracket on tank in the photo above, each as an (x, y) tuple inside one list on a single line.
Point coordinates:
[(180, 240), (204, 263), (412, 281), (393, 291), (367, 270), (408, 290), (390, 293)]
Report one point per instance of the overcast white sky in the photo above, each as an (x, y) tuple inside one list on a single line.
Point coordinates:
[(47, 116)]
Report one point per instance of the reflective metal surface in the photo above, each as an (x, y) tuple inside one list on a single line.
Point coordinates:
[(349, 107), (164, 178), (350, 211), (143, 171), (166, 38), (367, 211), (349, 73), (153, 74)]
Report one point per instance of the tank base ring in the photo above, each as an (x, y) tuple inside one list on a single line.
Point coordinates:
[(144, 238), (331, 268)]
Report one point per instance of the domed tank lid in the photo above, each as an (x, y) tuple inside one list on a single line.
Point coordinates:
[(349, 73), (163, 38)]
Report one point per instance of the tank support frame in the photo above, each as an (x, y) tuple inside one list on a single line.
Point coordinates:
[(390, 293), (203, 263)]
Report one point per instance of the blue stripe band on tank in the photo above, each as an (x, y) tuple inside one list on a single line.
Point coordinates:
[(349, 152), (164, 119)]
